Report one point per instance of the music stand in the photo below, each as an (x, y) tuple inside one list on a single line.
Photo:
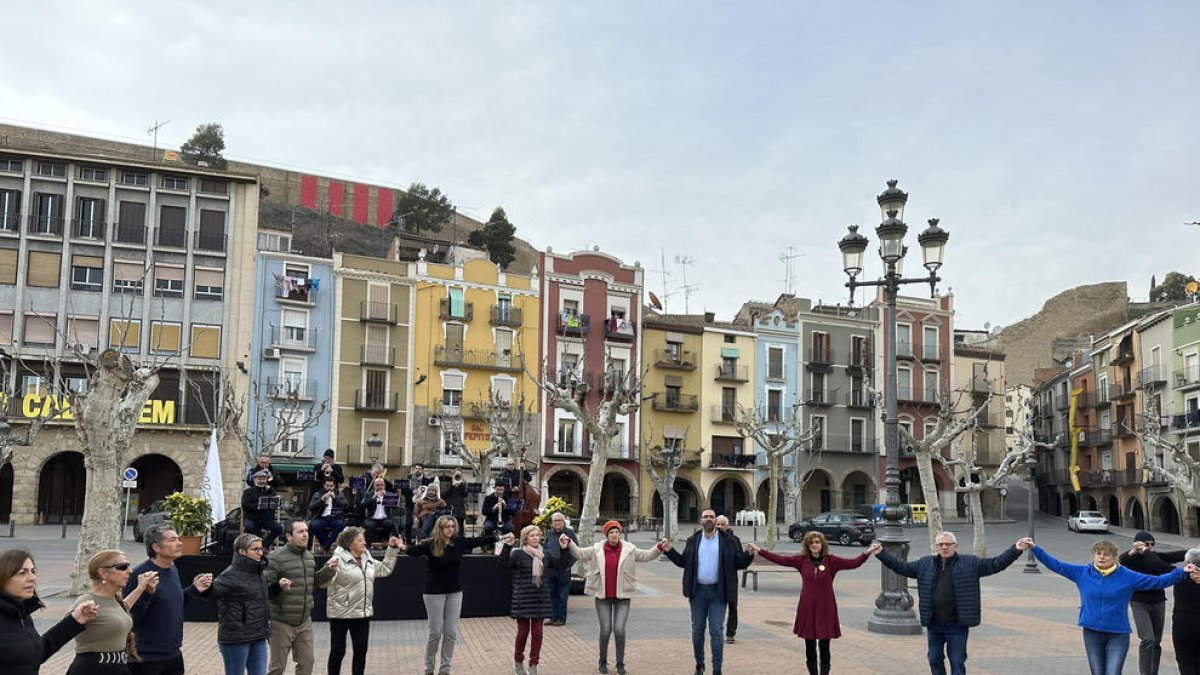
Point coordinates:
[(474, 488), (358, 484), (306, 475), (404, 485)]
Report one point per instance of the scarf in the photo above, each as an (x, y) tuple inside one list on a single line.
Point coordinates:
[(536, 554)]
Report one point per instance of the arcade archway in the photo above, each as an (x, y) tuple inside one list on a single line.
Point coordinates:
[(61, 486)]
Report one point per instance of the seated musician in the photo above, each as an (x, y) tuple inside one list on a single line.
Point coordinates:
[(496, 512), (380, 508), (258, 509), (513, 477), (429, 508), (325, 511)]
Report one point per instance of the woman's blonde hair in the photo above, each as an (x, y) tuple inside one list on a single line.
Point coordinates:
[(528, 530), (438, 541), (812, 536), (1106, 546)]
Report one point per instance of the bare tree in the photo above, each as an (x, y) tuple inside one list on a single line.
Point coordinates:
[(1179, 468), (620, 396), (664, 462), (780, 440), (283, 412)]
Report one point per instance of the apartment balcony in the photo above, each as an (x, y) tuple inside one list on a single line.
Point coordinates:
[(506, 315), (904, 350), (1187, 377), (84, 228), (1186, 422), (366, 454), (680, 403), (10, 223), (207, 241), (373, 400), (49, 226), (820, 397), (859, 361), (477, 410), (1101, 398), (731, 461), (931, 353), (619, 329), (172, 238), (1098, 438), (1151, 376), (289, 389), (1053, 477), (294, 338), (819, 360), (724, 414), (860, 399), (294, 291), (673, 360), (728, 373), (444, 355), (128, 233), (1122, 390), (1097, 478), (688, 457), (838, 443), (1122, 357), (447, 311), (572, 323), (378, 312), (377, 355), (1125, 427)]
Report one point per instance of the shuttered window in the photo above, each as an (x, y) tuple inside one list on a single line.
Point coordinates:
[(164, 337), (83, 331), (8, 266), (44, 269), (206, 342), (125, 335), (128, 276), (40, 329), (209, 283), (6, 320)]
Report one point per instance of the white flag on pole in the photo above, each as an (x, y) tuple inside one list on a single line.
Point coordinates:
[(214, 488)]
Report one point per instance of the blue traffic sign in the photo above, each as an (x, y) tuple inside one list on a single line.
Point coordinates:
[(130, 473)]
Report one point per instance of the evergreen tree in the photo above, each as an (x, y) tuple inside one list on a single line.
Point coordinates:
[(206, 145), (1172, 289), (496, 237), (421, 209)]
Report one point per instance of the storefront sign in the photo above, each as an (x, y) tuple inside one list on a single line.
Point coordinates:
[(59, 408), (477, 432)]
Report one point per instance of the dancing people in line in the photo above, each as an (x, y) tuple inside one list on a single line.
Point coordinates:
[(948, 584), (1105, 589), (243, 607), (106, 645), (530, 594), (291, 612), (22, 649), (443, 586), (350, 602), (158, 614), (559, 576), (816, 612), (612, 582), (1149, 608)]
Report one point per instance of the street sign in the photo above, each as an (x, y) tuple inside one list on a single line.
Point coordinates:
[(129, 485), (131, 474)]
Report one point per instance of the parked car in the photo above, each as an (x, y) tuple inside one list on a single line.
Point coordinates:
[(843, 527), (153, 515), (1088, 521)]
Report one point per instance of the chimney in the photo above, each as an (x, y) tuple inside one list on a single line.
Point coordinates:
[(709, 317)]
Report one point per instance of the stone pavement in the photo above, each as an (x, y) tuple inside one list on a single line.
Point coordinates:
[(1029, 624)]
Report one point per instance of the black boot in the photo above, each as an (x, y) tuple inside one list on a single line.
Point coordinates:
[(812, 667), (603, 667), (825, 668)]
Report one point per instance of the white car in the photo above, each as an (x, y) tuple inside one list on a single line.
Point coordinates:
[(1088, 521)]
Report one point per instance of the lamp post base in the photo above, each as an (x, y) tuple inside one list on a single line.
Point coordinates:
[(894, 613)]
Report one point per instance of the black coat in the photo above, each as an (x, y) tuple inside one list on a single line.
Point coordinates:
[(965, 571), (319, 476), (22, 650), (242, 595), (489, 510), (1152, 562), (456, 498), (250, 497), (733, 559), (530, 600), (316, 505)]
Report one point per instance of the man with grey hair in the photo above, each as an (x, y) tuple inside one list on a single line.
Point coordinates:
[(731, 618), (950, 604), (558, 580)]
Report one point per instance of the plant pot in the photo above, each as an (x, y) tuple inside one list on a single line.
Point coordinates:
[(191, 544)]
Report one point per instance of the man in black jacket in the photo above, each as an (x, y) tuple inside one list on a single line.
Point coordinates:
[(731, 623), (710, 561), (1149, 607), (559, 578), (456, 498), (496, 514), (259, 520), (378, 517), (325, 511)]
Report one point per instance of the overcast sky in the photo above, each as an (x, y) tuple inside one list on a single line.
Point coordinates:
[(1056, 141)]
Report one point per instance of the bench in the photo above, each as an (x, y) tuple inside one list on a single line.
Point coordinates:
[(760, 564)]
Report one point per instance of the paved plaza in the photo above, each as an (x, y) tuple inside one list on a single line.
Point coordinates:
[(1028, 620)]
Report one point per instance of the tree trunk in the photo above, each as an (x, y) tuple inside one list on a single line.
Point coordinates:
[(595, 483), (975, 502), (772, 501), (933, 507), (665, 487)]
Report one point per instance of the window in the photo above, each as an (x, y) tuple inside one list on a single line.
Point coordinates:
[(8, 266), (172, 226), (11, 164), (817, 393), (728, 403), (52, 169), (931, 385), (40, 329), (213, 186), (458, 305), (858, 351), (47, 214), (775, 363), (295, 327), (376, 389), (206, 342), (83, 331), (730, 339), (75, 384), (857, 434), (930, 342), (133, 178), (570, 306), (209, 283), (174, 183), (774, 405), (903, 339), (10, 210), (502, 389), (43, 269), (6, 324), (820, 348), (858, 394), (131, 223), (168, 281), (817, 423), (675, 351), (211, 236), (452, 389), (89, 218), (93, 173), (271, 241), (504, 348), (904, 384), (165, 337), (128, 276), (565, 441), (87, 273), (33, 385), (124, 335), (930, 427)]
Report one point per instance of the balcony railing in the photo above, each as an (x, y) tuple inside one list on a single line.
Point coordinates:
[(1124, 427), (688, 457), (820, 356), (821, 397), (376, 401), (1151, 376), (446, 311), (572, 323), (477, 358), (47, 225), (572, 378), (860, 399), (724, 460), (170, 237), (619, 329), (10, 222), (84, 228), (1122, 357), (286, 388), (207, 241), (667, 402), (127, 233), (732, 373), (1098, 437), (465, 409), (860, 360), (293, 337), (377, 355), (1122, 390), (294, 289), (1101, 398), (505, 315), (681, 360), (1185, 421), (724, 414), (1187, 377), (368, 454), (904, 349), (379, 312)]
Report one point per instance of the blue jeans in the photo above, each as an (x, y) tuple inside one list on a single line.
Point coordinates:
[(1105, 651), (947, 639), (242, 658), (325, 530), (559, 583), (708, 606), (269, 530)]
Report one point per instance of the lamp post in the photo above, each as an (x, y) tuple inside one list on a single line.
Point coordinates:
[(1031, 566), (893, 613)]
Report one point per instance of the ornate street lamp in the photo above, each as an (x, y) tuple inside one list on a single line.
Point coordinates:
[(374, 443), (893, 613)]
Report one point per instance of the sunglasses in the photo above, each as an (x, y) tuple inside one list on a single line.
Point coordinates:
[(120, 567)]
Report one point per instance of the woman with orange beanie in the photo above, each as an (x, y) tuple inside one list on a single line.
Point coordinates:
[(612, 581)]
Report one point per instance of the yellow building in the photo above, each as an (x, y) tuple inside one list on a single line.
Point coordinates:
[(476, 334), (726, 372)]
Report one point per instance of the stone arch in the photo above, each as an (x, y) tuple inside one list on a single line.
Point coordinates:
[(158, 476), (618, 493), (763, 493), (1112, 509), (1089, 503), (687, 510), (61, 486), (728, 495), (1165, 516), (1070, 504), (817, 496), (1136, 515), (567, 482), (858, 487)]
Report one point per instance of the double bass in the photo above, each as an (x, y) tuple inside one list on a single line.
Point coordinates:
[(532, 499)]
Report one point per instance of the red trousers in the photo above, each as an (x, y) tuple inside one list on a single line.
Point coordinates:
[(524, 628)]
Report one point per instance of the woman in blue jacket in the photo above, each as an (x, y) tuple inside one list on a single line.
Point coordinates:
[(1104, 592)]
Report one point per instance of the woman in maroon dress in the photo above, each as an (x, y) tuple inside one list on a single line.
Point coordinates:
[(816, 613)]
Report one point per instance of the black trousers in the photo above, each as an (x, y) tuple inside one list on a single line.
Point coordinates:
[(731, 620), (360, 632), (1187, 645), (171, 666)]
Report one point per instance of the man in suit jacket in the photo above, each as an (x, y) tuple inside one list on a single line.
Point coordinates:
[(710, 561)]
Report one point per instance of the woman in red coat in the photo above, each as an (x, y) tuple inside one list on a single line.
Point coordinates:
[(816, 613)]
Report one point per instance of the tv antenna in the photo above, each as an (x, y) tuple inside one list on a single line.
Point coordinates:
[(683, 261), (153, 130), (788, 258)]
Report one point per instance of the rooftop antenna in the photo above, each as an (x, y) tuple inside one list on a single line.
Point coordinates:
[(666, 289), (153, 130), (683, 261), (788, 258)]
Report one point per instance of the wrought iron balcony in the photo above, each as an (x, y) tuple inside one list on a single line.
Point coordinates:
[(667, 402), (1122, 390), (45, 225), (378, 312), (1101, 398), (465, 409), (572, 323), (129, 233), (87, 228), (724, 414), (294, 290), (931, 353), (1187, 377), (619, 329), (445, 355), (10, 222), (446, 311), (733, 373), (678, 360), (1123, 356), (377, 355), (294, 337), (860, 399), (820, 359), (376, 400), (821, 397), (1098, 437), (505, 315), (1186, 421), (904, 350), (287, 388), (689, 457), (1151, 376), (368, 454), (860, 360), (731, 461)]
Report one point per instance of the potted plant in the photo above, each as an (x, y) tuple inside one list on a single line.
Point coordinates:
[(191, 517)]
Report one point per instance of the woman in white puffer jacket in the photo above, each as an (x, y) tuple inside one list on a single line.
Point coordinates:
[(351, 594)]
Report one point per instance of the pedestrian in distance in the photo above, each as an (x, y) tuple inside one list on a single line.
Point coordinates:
[(530, 594), (950, 605), (291, 612), (107, 645), (559, 576), (22, 649), (1185, 619), (443, 552), (816, 612), (243, 607), (1105, 589), (612, 582), (731, 619), (1149, 608), (158, 613), (350, 601)]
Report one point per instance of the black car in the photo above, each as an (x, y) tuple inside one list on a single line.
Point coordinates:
[(844, 527)]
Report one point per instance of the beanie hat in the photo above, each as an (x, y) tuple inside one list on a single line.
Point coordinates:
[(1143, 535), (610, 525), (329, 452)]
